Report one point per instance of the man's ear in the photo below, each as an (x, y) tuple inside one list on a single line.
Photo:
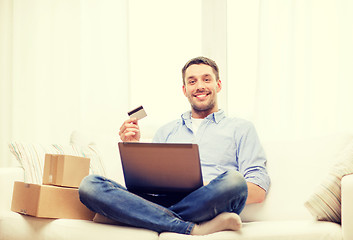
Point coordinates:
[(184, 90), (219, 85)]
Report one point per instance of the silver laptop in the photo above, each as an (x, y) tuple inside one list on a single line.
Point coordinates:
[(161, 167)]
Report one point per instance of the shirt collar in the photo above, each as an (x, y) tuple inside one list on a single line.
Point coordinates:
[(216, 116)]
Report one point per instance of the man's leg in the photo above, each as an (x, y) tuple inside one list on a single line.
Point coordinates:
[(226, 193), (215, 206), (112, 200)]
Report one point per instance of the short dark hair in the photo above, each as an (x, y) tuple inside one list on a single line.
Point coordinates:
[(201, 60)]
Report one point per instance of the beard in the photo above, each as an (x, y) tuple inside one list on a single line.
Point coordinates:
[(204, 107)]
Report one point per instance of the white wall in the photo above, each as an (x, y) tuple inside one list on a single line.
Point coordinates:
[(104, 80), (45, 70), (163, 36), (242, 58), (5, 83), (290, 66), (82, 64), (67, 69), (214, 42)]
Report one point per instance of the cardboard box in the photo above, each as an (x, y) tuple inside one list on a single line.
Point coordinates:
[(65, 170), (47, 201)]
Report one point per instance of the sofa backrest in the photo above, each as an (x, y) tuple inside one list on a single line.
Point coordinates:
[(296, 169), (7, 178)]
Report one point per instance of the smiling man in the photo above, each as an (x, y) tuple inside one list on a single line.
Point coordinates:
[(232, 160)]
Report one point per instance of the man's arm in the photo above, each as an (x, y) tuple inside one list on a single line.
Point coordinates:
[(255, 194), (252, 164)]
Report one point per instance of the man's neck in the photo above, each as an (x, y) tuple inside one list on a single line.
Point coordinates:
[(202, 114)]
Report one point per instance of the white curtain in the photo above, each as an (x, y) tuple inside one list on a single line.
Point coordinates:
[(64, 67), (5, 76), (82, 64), (290, 66), (163, 36)]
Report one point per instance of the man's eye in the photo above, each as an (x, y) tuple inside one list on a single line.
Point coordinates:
[(207, 80), (192, 82)]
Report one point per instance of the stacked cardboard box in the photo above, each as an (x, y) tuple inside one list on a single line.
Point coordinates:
[(58, 196)]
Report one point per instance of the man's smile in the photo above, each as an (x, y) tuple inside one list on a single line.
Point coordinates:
[(201, 96)]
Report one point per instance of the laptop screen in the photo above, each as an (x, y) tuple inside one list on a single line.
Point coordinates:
[(161, 167)]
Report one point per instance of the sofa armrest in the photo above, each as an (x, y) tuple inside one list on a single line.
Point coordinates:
[(7, 178), (347, 206)]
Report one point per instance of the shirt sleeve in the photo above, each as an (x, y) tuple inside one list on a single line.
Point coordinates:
[(251, 158), (162, 134), (158, 137)]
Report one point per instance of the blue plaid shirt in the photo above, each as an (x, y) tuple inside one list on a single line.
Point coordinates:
[(224, 144)]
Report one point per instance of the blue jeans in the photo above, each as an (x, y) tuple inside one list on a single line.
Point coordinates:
[(226, 193)]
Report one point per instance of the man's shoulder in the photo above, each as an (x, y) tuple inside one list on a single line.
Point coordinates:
[(239, 123), (165, 130), (171, 124)]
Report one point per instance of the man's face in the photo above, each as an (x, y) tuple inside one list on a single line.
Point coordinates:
[(201, 88)]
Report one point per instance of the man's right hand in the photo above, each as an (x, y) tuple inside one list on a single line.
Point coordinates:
[(130, 131)]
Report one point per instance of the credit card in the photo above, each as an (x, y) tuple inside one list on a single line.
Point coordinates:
[(138, 113)]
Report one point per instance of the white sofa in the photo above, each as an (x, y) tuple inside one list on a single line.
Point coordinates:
[(296, 169)]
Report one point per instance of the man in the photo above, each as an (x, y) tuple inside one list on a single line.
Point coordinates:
[(232, 159)]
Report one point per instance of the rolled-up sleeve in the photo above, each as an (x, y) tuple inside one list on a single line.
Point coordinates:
[(252, 159)]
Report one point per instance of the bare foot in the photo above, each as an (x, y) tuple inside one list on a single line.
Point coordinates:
[(224, 221)]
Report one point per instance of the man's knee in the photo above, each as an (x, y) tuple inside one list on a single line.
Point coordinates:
[(235, 182), (87, 186), (235, 177)]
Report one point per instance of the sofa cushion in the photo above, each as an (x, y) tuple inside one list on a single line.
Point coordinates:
[(270, 230), (31, 157), (15, 226), (325, 202)]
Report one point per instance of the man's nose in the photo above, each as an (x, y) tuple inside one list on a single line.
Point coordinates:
[(200, 84)]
